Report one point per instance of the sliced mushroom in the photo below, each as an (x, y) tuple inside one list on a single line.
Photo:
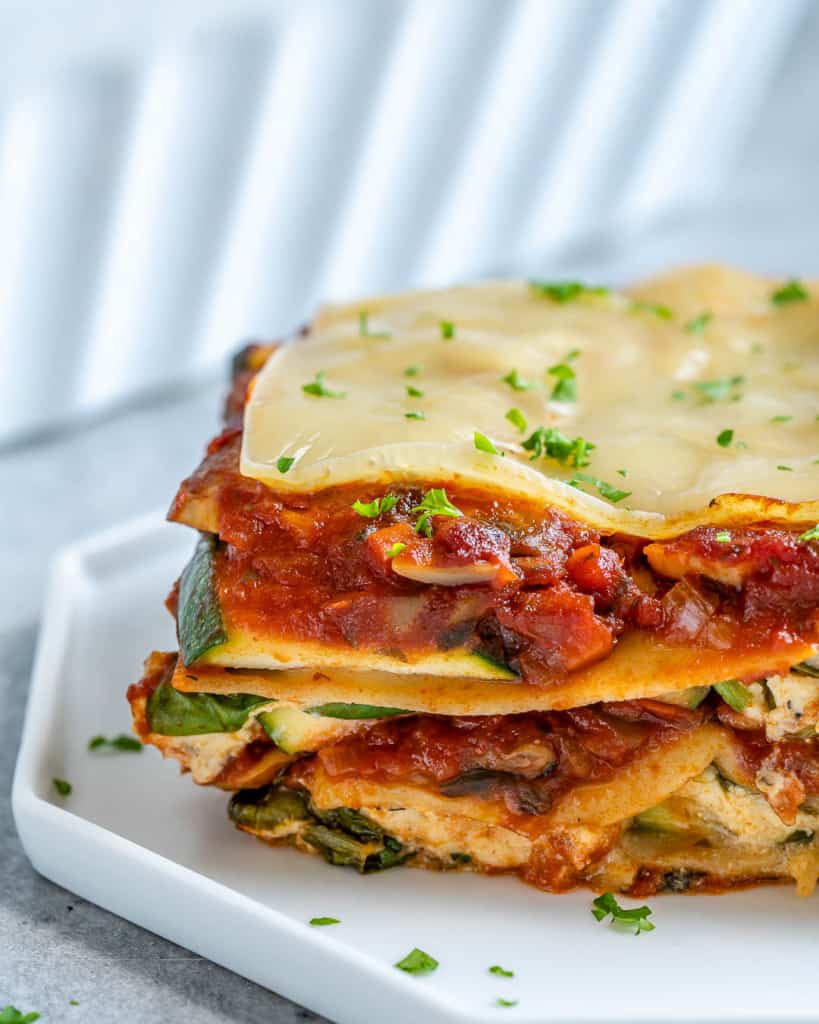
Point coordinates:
[(445, 575)]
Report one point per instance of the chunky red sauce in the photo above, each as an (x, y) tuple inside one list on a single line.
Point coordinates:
[(308, 567), (526, 760)]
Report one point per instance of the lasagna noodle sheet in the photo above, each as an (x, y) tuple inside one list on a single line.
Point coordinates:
[(640, 666)]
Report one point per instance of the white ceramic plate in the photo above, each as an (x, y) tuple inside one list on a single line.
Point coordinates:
[(137, 838)]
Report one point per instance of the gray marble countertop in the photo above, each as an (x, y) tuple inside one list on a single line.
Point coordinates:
[(54, 946)]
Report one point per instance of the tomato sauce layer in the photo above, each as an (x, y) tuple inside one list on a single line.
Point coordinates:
[(522, 583)]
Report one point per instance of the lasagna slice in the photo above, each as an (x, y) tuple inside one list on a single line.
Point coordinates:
[(515, 577), (678, 791)]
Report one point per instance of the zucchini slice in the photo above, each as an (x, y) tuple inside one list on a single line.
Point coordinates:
[(199, 617), (295, 731), (342, 836), (356, 711)]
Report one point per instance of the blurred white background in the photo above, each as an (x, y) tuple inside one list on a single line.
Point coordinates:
[(178, 175)]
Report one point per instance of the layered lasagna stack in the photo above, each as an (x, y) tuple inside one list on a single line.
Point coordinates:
[(519, 577)]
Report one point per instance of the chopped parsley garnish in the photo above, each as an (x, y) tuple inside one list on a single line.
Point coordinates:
[(318, 388), (517, 419), (322, 922), (506, 1002), (663, 312), (11, 1015), (414, 392), (698, 323), (62, 787), (416, 414), (494, 969), (622, 472), (678, 396), (793, 291), (723, 537), (412, 371), (781, 419), (417, 962), (613, 494), (373, 509), (564, 291), (516, 382), (483, 444), (786, 469), (565, 389), (447, 329), (435, 503), (396, 549), (284, 464), (811, 534), (725, 437), (550, 443), (714, 390), (122, 742), (735, 694), (364, 327), (637, 917)]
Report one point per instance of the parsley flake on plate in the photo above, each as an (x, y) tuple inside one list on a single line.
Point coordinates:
[(322, 922), (412, 371), (435, 503), (735, 694), (416, 414), (123, 742), (781, 419), (786, 469), (793, 291), (505, 1002), (500, 971), (636, 917), (417, 962), (364, 327), (284, 464), (725, 437), (447, 329), (11, 1015), (318, 388), (607, 491), (62, 787), (376, 507), (413, 392)]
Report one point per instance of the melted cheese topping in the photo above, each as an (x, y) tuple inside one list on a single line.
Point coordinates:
[(630, 363)]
